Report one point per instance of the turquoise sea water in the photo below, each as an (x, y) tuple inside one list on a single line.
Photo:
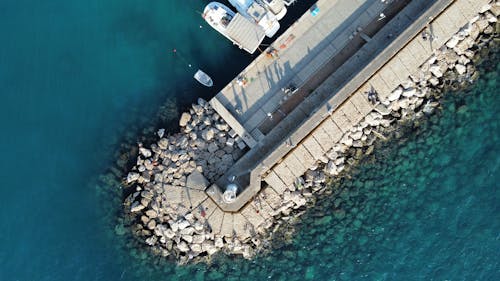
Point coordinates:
[(76, 78)]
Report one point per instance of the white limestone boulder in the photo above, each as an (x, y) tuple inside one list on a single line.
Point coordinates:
[(136, 207), (183, 247), (461, 69), (132, 176), (394, 95), (185, 118), (410, 92), (452, 42), (436, 71), (208, 134)]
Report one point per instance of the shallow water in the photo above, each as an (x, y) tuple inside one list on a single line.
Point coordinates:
[(424, 207), (78, 78)]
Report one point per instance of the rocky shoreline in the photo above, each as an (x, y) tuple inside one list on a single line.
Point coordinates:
[(206, 147)]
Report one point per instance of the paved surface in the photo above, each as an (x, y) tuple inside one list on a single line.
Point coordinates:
[(320, 37), (303, 136)]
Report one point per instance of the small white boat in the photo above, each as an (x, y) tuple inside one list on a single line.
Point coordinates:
[(203, 78), (257, 13), (234, 26), (277, 7)]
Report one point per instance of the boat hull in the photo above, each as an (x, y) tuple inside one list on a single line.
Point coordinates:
[(203, 78)]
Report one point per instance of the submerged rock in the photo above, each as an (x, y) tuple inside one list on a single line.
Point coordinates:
[(120, 229), (429, 107), (161, 133)]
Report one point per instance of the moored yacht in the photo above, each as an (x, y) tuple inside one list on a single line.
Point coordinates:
[(234, 26), (256, 12), (218, 16), (277, 7)]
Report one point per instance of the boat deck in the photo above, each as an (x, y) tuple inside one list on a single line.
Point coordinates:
[(245, 33)]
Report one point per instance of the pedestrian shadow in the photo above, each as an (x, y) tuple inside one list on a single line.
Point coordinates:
[(239, 103)]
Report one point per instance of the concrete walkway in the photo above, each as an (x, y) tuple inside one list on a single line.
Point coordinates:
[(320, 37)]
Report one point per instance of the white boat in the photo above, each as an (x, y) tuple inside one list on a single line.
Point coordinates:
[(256, 12), (218, 16), (203, 78), (234, 26), (277, 7), (289, 2)]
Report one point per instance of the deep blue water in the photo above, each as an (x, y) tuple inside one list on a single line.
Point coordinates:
[(76, 78)]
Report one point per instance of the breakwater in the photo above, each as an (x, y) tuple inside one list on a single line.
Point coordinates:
[(171, 212)]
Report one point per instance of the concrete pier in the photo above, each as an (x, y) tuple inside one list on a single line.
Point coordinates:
[(347, 72), (288, 137)]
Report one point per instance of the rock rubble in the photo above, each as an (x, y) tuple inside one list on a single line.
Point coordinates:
[(194, 158)]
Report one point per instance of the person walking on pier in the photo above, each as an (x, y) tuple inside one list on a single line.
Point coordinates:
[(372, 96)]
